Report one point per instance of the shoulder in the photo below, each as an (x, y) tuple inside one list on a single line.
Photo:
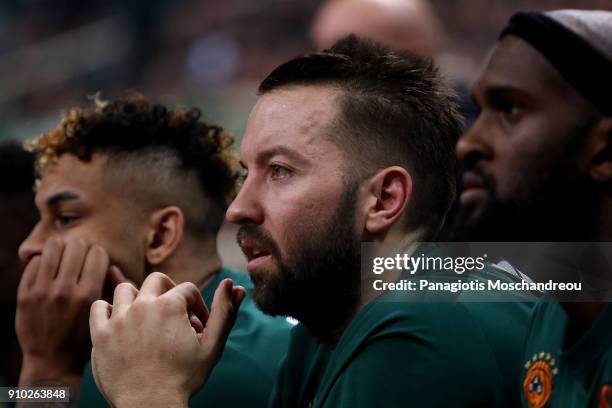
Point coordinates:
[(425, 346), (413, 330), (407, 369)]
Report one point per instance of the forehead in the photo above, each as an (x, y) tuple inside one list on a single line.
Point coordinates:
[(517, 65), (298, 117), (72, 174)]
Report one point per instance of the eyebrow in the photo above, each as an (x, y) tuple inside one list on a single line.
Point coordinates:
[(59, 197), (278, 151), (506, 91)]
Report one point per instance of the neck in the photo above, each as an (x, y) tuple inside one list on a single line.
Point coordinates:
[(197, 262), (406, 242)]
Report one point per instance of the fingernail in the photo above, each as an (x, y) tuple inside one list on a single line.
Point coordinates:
[(241, 294)]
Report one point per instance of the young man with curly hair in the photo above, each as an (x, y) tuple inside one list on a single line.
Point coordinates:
[(128, 188)]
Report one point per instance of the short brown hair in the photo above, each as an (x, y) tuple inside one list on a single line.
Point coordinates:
[(395, 110)]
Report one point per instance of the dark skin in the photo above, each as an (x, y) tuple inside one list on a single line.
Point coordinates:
[(528, 116), (527, 112)]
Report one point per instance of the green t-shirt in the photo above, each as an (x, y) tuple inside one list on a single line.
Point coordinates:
[(246, 372), (579, 376), (413, 353)]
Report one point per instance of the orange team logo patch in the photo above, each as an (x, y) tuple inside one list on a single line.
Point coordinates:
[(605, 396), (538, 382)]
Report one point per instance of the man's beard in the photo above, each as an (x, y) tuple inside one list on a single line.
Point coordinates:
[(317, 279), (557, 207)]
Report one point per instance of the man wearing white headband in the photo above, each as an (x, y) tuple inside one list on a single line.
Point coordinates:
[(538, 167)]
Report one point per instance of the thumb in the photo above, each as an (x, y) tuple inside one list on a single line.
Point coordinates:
[(224, 309)]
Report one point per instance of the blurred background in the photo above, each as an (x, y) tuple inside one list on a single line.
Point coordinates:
[(212, 54)]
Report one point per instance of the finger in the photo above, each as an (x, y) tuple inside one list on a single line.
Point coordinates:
[(238, 295), (72, 261), (49, 261), (115, 276), (222, 316), (124, 295), (197, 325), (29, 275), (99, 314), (192, 298), (94, 271), (155, 285)]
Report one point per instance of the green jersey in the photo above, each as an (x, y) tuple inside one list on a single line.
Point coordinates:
[(246, 372), (577, 376), (413, 353)]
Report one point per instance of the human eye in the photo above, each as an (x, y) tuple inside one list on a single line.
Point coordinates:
[(280, 172), (63, 220), (509, 111)]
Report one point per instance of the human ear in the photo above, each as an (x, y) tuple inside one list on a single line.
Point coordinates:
[(389, 192), (165, 231)]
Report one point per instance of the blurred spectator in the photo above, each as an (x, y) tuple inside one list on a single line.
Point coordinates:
[(410, 25), (400, 24), (205, 52)]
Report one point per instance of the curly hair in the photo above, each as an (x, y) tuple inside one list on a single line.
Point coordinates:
[(133, 126)]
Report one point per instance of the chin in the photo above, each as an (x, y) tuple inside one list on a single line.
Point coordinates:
[(265, 301), (260, 275)]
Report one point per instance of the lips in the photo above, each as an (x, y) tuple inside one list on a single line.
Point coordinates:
[(472, 180), (474, 191), (256, 254)]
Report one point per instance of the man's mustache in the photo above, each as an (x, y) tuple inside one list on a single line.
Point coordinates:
[(258, 236), (489, 181)]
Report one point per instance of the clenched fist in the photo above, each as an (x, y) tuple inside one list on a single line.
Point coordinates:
[(157, 346)]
